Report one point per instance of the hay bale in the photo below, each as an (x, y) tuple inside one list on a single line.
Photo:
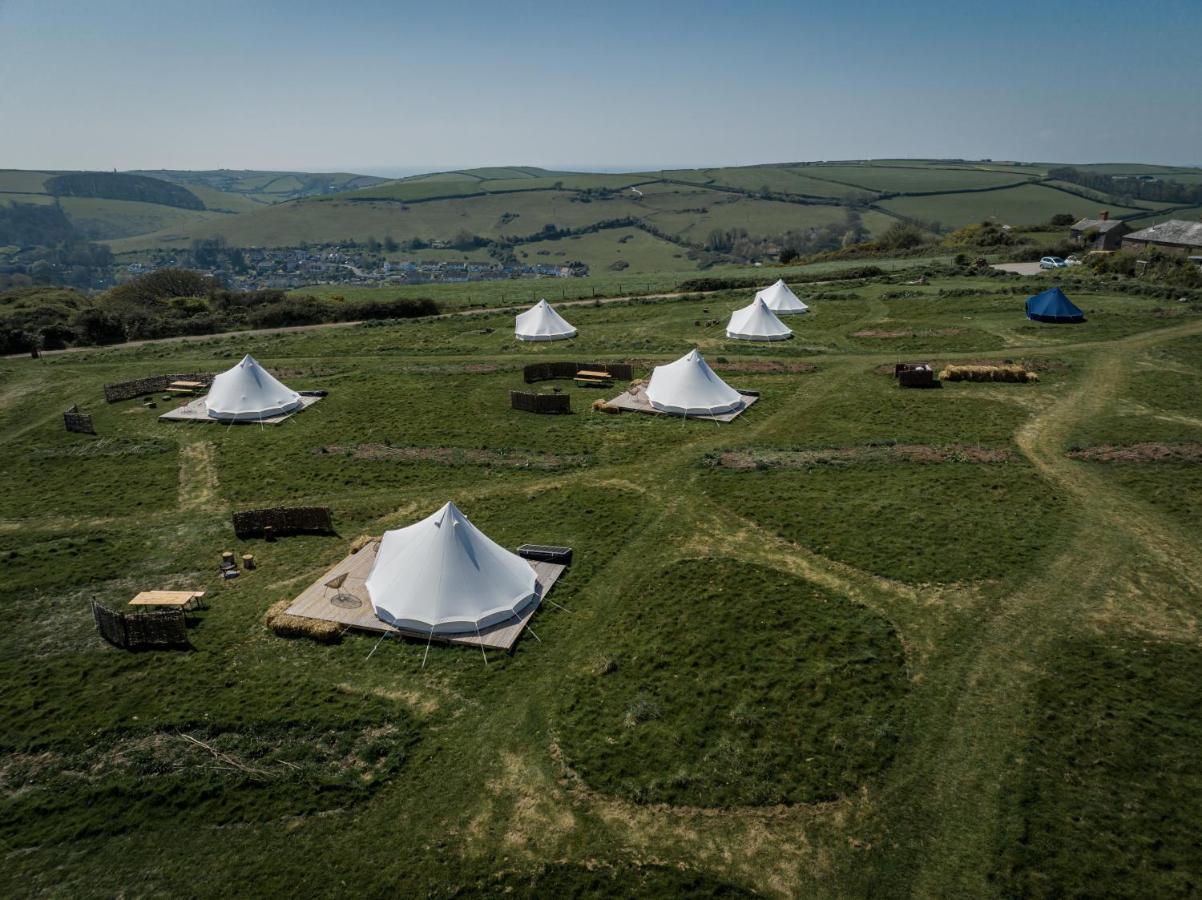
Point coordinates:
[(300, 626), (362, 541), (1012, 374)]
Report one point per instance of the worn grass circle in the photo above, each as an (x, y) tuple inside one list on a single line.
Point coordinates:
[(726, 683)]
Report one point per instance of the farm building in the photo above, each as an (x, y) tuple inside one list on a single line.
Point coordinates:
[(443, 575), (781, 300), (542, 323), (756, 323), (1175, 236), (690, 387), (1053, 306), (249, 393), (1102, 233)]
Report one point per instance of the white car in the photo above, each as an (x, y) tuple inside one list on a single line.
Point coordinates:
[(1073, 260), (1052, 262)]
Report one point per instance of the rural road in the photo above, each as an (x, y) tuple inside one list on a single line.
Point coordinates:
[(1027, 268)]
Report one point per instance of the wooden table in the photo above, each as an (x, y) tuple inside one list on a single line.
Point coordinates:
[(179, 599), (586, 377), (185, 387)]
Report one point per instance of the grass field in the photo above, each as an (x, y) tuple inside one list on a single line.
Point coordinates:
[(1023, 205), (687, 213), (279, 209), (859, 642)]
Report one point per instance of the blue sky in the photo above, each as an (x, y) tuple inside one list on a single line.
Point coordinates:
[(400, 86)]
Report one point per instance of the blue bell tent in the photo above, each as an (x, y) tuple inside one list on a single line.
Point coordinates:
[(1053, 306)]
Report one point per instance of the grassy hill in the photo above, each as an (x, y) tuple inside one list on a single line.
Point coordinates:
[(261, 187), (680, 207), (862, 641), (677, 210), (115, 205)]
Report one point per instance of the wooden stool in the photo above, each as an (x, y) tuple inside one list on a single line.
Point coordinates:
[(248, 561)]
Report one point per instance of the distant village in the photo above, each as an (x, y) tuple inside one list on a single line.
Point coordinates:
[(289, 268)]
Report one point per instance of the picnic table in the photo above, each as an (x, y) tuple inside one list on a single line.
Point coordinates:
[(178, 599), (588, 376), (185, 387)]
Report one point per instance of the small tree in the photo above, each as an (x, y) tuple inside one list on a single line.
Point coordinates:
[(902, 236)]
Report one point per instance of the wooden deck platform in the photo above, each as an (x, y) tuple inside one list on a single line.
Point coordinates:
[(635, 400), (339, 605), (196, 412)]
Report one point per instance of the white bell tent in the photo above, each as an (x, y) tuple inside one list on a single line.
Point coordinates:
[(249, 393), (757, 323), (781, 300), (443, 575), (690, 387), (542, 323)]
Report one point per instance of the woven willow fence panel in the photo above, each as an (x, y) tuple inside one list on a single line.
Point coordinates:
[(540, 403), (135, 631), (152, 384), (547, 371), (284, 520), (74, 420)]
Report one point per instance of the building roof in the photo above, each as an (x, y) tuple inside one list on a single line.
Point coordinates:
[(1174, 231), (1102, 225)]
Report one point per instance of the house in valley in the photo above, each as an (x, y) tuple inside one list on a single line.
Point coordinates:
[(1102, 233)]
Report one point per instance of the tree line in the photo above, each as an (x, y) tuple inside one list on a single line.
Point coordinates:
[(1127, 187), (170, 303)]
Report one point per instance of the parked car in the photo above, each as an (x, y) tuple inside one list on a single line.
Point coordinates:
[(1052, 262), (1073, 260)]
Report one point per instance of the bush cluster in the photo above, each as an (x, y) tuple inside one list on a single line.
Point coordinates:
[(169, 303)]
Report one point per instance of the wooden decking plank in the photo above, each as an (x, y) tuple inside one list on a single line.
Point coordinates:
[(195, 411), (314, 603), (635, 400)]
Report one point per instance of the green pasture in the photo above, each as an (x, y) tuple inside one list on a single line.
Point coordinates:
[(860, 641), (1023, 205), (906, 179), (688, 214)]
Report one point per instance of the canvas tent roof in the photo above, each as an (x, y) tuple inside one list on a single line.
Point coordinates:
[(542, 323), (443, 575), (689, 386), (1053, 306), (247, 393), (756, 322), (781, 300)]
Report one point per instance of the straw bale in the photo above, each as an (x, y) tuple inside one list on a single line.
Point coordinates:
[(300, 626)]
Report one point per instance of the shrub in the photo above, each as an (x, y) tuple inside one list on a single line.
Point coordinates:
[(903, 236)]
